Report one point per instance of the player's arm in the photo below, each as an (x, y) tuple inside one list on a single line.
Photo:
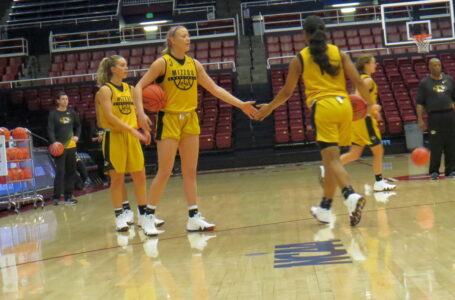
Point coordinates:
[(353, 74), (157, 69), (207, 83), (294, 73)]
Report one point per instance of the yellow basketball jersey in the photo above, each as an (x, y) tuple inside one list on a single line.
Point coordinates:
[(122, 107), (317, 82), (374, 89), (180, 85)]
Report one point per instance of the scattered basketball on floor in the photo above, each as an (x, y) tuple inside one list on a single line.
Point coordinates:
[(359, 107), (420, 156), (20, 133), (153, 98), (56, 149), (4, 131)]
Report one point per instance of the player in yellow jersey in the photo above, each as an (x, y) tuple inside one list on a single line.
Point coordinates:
[(116, 114), (177, 124), (365, 132), (322, 67)]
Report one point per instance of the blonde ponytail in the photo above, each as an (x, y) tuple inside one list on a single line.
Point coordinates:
[(104, 72)]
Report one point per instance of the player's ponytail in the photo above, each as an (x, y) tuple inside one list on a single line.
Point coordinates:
[(171, 33), (104, 73), (317, 37)]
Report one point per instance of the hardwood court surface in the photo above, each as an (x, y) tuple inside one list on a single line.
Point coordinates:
[(266, 246)]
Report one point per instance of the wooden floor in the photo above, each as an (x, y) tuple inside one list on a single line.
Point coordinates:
[(266, 246)]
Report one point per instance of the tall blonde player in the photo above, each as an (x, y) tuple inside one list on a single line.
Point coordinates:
[(178, 124), (122, 151), (365, 132), (322, 67)]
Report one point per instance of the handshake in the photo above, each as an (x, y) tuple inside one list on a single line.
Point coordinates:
[(258, 112)]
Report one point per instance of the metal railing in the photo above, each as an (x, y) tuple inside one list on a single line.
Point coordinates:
[(143, 2), (77, 20), (136, 35), (37, 82), (247, 5), (13, 47)]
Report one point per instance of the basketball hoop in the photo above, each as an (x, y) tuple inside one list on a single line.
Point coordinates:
[(423, 42)]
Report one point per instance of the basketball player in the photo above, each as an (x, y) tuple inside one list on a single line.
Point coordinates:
[(322, 67), (365, 132), (178, 124), (116, 113)]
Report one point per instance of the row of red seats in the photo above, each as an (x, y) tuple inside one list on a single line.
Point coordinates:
[(149, 50), (10, 67)]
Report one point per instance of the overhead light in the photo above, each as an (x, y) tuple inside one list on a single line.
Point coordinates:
[(154, 22), (346, 4), (348, 10), (151, 28)]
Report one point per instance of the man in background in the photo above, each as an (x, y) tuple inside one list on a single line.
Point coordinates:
[(436, 95), (64, 127)]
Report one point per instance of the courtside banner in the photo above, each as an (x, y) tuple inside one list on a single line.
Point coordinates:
[(3, 164)]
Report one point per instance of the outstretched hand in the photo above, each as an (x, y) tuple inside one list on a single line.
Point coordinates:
[(263, 112), (249, 109)]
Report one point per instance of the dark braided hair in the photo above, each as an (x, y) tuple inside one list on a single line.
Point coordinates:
[(315, 29)]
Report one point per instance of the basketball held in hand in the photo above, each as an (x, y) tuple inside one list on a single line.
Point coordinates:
[(420, 156), (359, 107), (154, 98), (56, 149)]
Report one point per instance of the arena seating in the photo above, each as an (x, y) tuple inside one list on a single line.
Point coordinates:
[(86, 62), (354, 38), (30, 11), (10, 67)]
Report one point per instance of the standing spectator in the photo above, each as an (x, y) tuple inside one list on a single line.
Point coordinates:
[(436, 95), (64, 127)]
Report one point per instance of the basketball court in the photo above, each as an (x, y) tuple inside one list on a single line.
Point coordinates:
[(266, 246)]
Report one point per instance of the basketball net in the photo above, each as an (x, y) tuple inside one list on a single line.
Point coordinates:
[(423, 42)]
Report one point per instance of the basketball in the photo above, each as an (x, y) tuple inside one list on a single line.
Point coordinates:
[(359, 107), (12, 154), (56, 149), (27, 173), (20, 133), (154, 98), (420, 156), (4, 131)]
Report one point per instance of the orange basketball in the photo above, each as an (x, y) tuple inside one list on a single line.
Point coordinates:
[(359, 107), (4, 131), (153, 97), (12, 153), (18, 173), (420, 156), (56, 149), (27, 173), (20, 133)]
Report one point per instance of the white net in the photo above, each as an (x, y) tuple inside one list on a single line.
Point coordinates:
[(423, 42)]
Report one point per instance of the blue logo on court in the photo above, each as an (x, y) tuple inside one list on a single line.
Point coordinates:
[(310, 254)]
